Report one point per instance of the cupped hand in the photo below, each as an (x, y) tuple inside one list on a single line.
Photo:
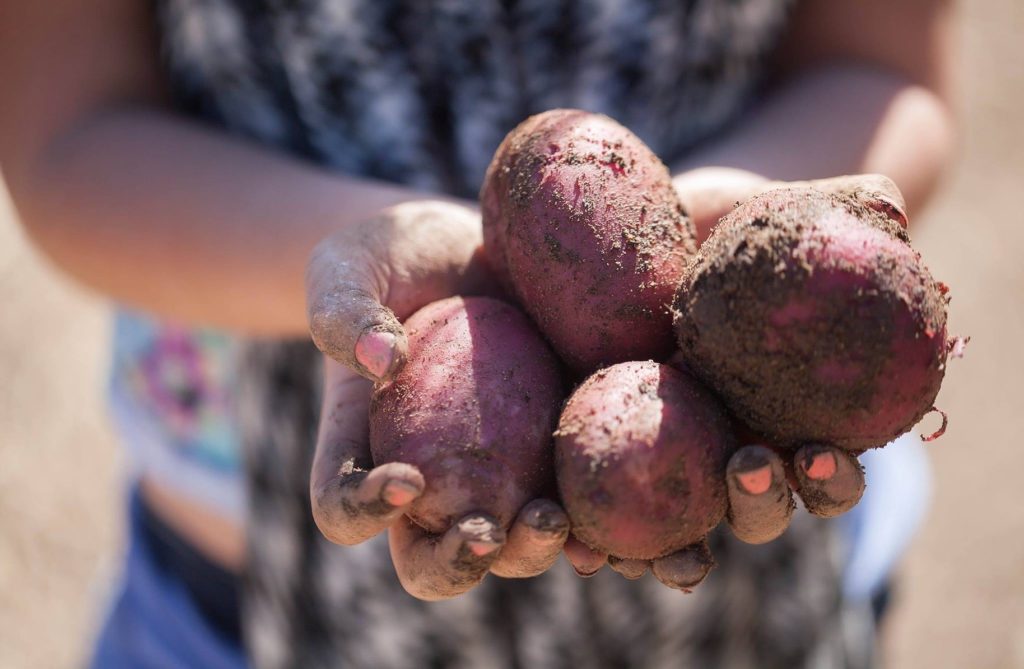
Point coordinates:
[(761, 479), (361, 283)]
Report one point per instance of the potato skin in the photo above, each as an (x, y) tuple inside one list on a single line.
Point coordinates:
[(582, 224), (473, 408), (815, 321), (640, 457)]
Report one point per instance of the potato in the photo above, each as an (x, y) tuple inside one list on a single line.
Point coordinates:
[(473, 407), (583, 226), (815, 321), (640, 456)]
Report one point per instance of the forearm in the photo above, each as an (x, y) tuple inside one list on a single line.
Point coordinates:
[(188, 222), (841, 120)]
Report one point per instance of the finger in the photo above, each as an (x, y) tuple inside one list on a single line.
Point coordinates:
[(760, 500), (350, 508), (685, 569), (361, 281), (433, 568), (629, 567), (584, 559), (351, 499), (876, 191), (534, 541), (830, 480), (708, 193), (345, 281)]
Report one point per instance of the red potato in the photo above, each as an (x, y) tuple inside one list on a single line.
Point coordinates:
[(815, 321), (640, 454), (473, 408), (583, 226)]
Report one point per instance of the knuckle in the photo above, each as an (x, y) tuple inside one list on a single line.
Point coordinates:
[(324, 500), (326, 517), (323, 328), (438, 584), (465, 571), (329, 498), (546, 518), (359, 499)]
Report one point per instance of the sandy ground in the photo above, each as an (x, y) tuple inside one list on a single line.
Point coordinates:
[(961, 601), (58, 461)]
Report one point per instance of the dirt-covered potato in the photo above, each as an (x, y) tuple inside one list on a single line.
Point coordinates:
[(473, 408), (640, 454), (815, 320), (583, 226)]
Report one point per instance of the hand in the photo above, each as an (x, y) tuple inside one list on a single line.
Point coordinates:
[(361, 283), (761, 479)]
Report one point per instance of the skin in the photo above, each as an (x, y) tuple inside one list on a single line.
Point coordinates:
[(156, 211)]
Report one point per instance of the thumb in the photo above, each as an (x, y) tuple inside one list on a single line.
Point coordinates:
[(361, 281), (877, 191), (709, 193), (344, 287)]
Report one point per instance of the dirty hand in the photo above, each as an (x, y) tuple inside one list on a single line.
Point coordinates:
[(361, 283)]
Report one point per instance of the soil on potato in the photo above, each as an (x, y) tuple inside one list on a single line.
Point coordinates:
[(756, 320), (584, 227), (640, 456)]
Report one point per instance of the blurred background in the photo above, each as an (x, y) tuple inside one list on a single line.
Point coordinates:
[(959, 601)]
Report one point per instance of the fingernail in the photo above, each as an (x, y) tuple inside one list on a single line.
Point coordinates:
[(585, 574), (399, 493), (890, 208), (757, 481), (548, 535), (549, 525), (819, 466), (545, 537), (376, 351), (482, 548)]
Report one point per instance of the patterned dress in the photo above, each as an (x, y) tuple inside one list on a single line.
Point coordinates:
[(420, 92)]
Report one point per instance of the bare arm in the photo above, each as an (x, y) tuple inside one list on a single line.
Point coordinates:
[(864, 87), (144, 206)]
